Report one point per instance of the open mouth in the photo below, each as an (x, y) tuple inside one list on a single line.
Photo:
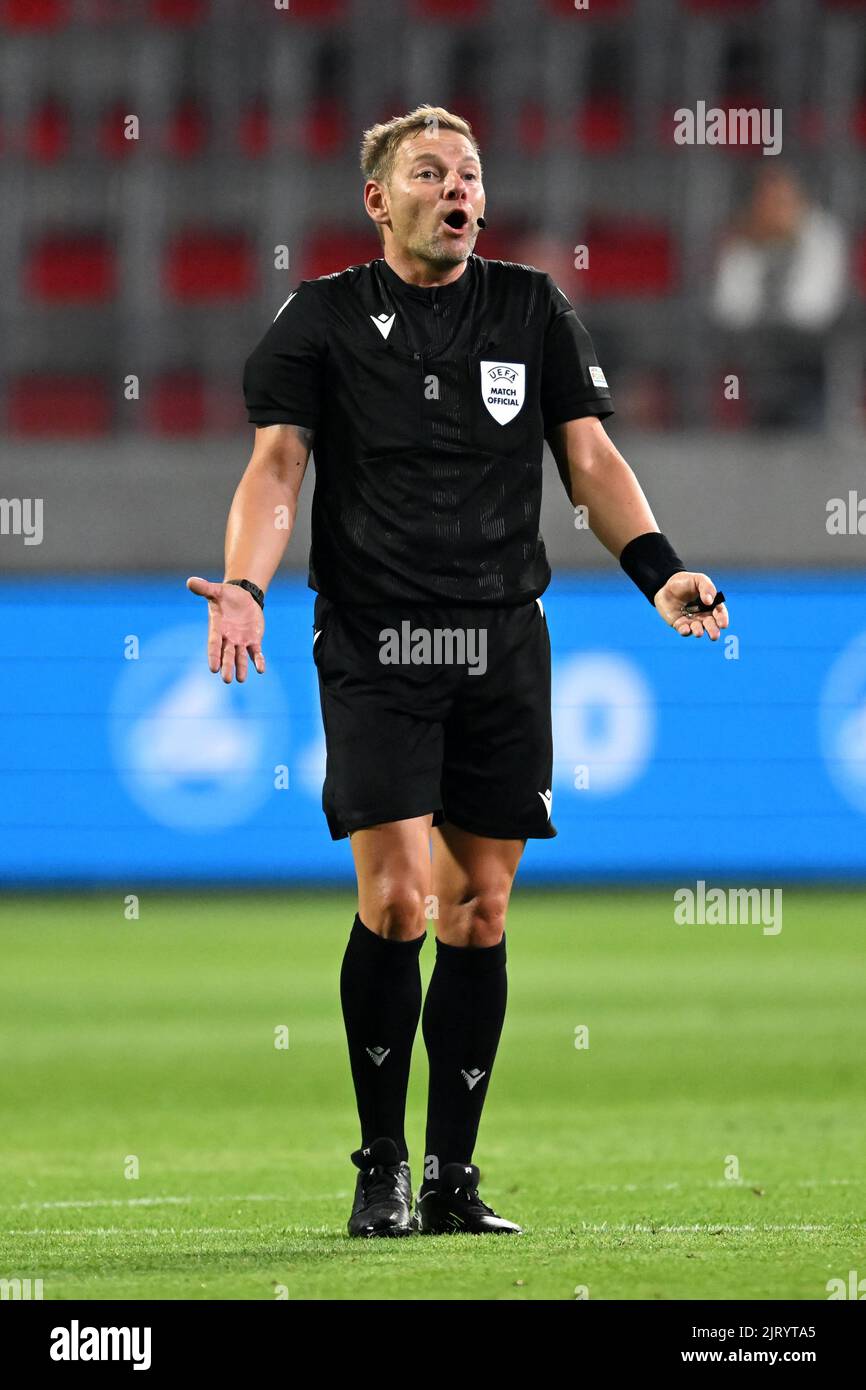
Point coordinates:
[(457, 220)]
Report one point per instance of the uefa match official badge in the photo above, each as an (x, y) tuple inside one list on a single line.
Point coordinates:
[(503, 386)]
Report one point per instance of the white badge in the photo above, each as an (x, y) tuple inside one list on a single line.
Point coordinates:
[(503, 385)]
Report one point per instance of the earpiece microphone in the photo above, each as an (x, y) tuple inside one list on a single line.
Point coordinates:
[(481, 224)]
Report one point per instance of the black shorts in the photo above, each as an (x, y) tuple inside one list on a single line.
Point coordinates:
[(430, 707)]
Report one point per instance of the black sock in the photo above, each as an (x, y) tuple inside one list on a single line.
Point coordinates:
[(463, 1015), (380, 990)]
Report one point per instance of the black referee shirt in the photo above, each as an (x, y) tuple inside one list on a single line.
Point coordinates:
[(430, 408)]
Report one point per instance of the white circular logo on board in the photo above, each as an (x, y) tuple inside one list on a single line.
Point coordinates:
[(192, 752), (604, 719), (842, 722)]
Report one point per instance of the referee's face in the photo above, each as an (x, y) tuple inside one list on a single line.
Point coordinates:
[(436, 182)]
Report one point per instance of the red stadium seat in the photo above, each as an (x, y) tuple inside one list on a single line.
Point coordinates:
[(34, 14), (110, 133), (48, 132), (187, 132), (858, 123), (811, 126), (317, 11), (255, 132), (334, 249), (179, 11), (324, 129), (176, 404), (628, 258), (721, 6), (71, 268), (206, 265), (533, 131), (475, 112), (449, 9), (67, 407), (602, 125)]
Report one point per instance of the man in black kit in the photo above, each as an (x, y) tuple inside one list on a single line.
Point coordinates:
[(429, 379)]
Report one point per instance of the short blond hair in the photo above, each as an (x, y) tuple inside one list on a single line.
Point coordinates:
[(381, 142)]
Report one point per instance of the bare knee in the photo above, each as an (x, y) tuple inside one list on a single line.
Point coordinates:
[(478, 920), (395, 911)]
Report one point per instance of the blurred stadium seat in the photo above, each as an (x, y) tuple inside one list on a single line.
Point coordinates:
[(70, 267), (34, 14), (449, 9), (632, 258), (176, 406), (333, 247), (317, 11), (48, 132), (209, 264), (61, 407), (179, 11), (255, 131), (186, 134), (247, 143)]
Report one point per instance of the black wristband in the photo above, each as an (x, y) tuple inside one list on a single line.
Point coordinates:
[(251, 589), (650, 560)]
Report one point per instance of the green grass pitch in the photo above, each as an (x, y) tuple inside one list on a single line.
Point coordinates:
[(155, 1039)]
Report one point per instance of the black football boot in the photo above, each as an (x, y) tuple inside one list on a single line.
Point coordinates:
[(383, 1192), (455, 1206)]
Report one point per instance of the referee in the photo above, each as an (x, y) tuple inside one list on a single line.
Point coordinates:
[(426, 381)]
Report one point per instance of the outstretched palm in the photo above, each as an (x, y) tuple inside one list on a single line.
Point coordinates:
[(236, 626)]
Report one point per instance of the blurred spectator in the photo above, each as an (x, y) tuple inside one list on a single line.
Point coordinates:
[(780, 286)]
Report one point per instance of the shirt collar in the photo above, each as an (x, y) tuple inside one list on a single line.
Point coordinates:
[(428, 294)]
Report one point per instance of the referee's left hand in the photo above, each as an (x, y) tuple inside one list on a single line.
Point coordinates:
[(683, 588)]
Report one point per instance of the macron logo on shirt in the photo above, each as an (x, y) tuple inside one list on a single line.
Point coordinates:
[(383, 323)]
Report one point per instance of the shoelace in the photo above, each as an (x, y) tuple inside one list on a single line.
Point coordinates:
[(472, 1199), (380, 1182)]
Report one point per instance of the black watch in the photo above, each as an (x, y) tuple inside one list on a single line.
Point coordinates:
[(251, 589)]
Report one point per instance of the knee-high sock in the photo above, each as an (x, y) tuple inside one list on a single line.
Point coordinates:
[(380, 990), (462, 1021)]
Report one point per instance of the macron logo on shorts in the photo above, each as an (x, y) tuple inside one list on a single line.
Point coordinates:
[(472, 1079), (547, 798)]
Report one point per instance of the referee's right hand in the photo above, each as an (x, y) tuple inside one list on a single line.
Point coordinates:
[(235, 629)]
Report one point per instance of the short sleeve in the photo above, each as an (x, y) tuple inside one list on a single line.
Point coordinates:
[(283, 375), (572, 382)]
